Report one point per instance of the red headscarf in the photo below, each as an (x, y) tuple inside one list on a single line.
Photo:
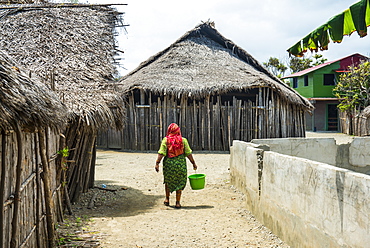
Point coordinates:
[(175, 147)]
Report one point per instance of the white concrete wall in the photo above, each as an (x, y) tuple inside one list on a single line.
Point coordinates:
[(353, 156), (318, 149), (306, 203), (359, 152), (245, 177)]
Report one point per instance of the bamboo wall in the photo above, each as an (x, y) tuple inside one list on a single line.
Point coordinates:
[(80, 139), (210, 124), (24, 220), (354, 124), (37, 189)]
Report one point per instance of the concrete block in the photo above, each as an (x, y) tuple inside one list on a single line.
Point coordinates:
[(244, 164), (359, 154)]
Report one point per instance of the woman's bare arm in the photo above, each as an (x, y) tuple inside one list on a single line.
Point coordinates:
[(157, 162), (191, 159)]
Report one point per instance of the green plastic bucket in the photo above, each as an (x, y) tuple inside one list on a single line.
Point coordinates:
[(197, 181)]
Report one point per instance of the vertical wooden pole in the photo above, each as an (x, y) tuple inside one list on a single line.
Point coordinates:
[(165, 114), (267, 113), (150, 123), (273, 115), (174, 108), (90, 163), (38, 194), (2, 185), (14, 236), (141, 121), (255, 127), (49, 204), (202, 116), (228, 116), (217, 124), (182, 118), (260, 112), (195, 126), (92, 170), (160, 116), (134, 123), (224, 128), (208, 114)]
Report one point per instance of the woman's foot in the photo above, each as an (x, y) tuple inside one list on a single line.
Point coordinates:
[(178, 198), (166, 202)]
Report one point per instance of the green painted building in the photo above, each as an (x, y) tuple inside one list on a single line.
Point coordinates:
[(316, 84)]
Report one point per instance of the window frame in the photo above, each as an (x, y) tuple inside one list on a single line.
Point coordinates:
[(295, 83), (305, 80), (325, 81)]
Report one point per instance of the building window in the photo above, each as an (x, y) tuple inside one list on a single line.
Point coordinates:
[(305, 80), (329, 79), (295, 82)]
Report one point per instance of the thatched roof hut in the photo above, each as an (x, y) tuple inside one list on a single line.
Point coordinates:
[(72, 49), (202, 63), (24, 102), (28, 110), (68, 53), (206, 73)]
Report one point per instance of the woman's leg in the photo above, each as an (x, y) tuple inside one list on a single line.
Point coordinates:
[(167, 200), (178, 198)]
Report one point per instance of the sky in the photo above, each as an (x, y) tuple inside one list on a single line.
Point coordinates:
[(264, 28)]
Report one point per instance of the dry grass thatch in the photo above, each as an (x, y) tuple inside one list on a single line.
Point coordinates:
[(203, 62), (72, 49), (26, 102)]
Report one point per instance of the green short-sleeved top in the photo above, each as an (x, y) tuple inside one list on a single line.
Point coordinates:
[(163, 147)]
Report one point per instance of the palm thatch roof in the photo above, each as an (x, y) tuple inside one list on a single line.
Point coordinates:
[(25, 101), (72, 48), (203, 62)]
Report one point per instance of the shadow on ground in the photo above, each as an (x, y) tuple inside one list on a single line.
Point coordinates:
[(197, 207), (115, 201)]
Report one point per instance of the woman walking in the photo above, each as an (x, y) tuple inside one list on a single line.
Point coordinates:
[(174, 149)]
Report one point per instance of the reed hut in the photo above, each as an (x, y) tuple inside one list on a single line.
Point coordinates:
[(72, 49), (30, 120), (214, 90)]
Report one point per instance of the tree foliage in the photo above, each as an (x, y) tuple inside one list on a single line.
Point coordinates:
[(318, 59), (275, 67), (278, 68), (353, 88), (299, 64)]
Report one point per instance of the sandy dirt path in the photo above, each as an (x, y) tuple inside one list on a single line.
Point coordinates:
[(134, 215)]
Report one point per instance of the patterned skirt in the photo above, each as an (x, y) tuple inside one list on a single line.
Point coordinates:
[(175, 172)]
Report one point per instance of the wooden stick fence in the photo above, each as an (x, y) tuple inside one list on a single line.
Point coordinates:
[(25, 218), (354, 124), (80, 139), (211, 123)]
